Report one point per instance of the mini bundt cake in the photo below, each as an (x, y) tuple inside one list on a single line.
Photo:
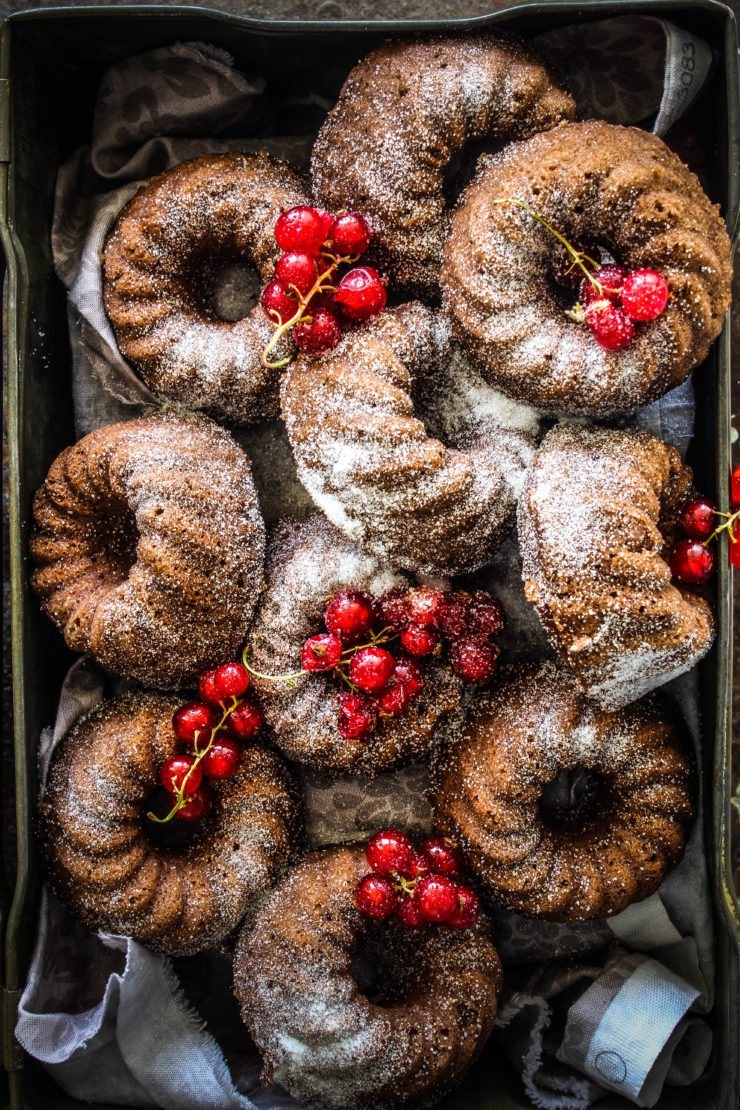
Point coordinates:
[(565, 811), (322, 1035), (307, 564), (104, 865), (370, 463), (622, 189), (159, 263), (149, 547), (404, 113), (594, 517)]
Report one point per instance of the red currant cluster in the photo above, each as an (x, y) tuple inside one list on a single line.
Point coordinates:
[(212, 729), (692, 560), (305, 294), (416, 887)]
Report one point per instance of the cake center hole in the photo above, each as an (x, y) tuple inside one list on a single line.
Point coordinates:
[(383, 967), (114, 539), (175, 835), (574, 799), (231, 291)]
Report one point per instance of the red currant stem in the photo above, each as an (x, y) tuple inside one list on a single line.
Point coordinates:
[(577, 256), (727, 525), (375, 639), (347, 680), (404, 885), (291, 679)]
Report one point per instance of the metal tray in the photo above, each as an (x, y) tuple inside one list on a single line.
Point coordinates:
[(51, 61)]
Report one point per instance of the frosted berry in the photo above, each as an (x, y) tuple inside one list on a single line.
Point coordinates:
[(321, 653), (297, 268), (231, 680), (356, 717), (425, 606), (419, 866), (361, 293), (610, 278), (320, 333), (246, 720), (408, 914), (197, 805), (327, 220), (370, 669), (277, 302), (697, 519), (179, 772), (207, 689), (349, 615), (691, 562), (443, 856), (644, 294), (436, 898), (300, 229), (612, 328), (419, 641), (408, 673), (474, 659), (486, 614), (394, 699), (393, 608), (467, 909), (376, 897), (350, 234), (389, 850), (193, 719), (455, 614), (221, 761)]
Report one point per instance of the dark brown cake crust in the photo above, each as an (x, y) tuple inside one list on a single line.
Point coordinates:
[(105, 868), (321, 1038), (594, 181), (534, 725), (403, 113)]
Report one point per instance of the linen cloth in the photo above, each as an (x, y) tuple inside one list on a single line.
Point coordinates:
[(124, 1031)]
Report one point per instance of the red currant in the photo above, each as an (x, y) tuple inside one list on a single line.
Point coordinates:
[(419, 641), (350, 234), (246, 720), (179, 772), (389, 850), (456, 614), (197, 805), (394, 699), (443, 856), (370, 669), (231, 680), (612, 328), (207, 688), (349, 615), (221, 761), (691, 562), (297, 268), (300, 229), (408, 673), (435, 897), (321, 653), (376, 897), (361, 293), (278, 303), (610, 277), (486, 614), (425, 606), (327, 220), (408, 914), (697, 519), (644, 294), (356, 717), (474, 659), (193, 719), (735, 489), (320, 334), (466, 911), (418, 866), (393, 608)]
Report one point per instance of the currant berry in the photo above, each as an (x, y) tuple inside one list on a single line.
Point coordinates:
[(180, 773), (393, 608), (356, 717), (298, 269), (207, 689), (278, 303), (371, 668), (474, 659), (425, 605), (610, 278), (455, 614), (612, 328), (408, 914), (436, 898), (389, 850), (327, 220), (376, 897), (418, 866), (361, 293), (487, 616), (644, 294), (246, 720), (193, 719), (349, 615), (443, 856), (691, 562), (231, 680), (735, 489), (300, 229), (697, 519), (408, 673), (419, 641), (320, 333), (467, 909), (221, 761), (394, 699), (350, 234), (197, 805), (321, 653)]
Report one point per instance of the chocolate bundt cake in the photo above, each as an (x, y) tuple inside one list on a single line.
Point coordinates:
[(594, 518), (106, 868), (348, 1012), (159, 264), (149, 547), (623, 189), (370, 463), (307, 564), (403, 116), (565, 811)]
